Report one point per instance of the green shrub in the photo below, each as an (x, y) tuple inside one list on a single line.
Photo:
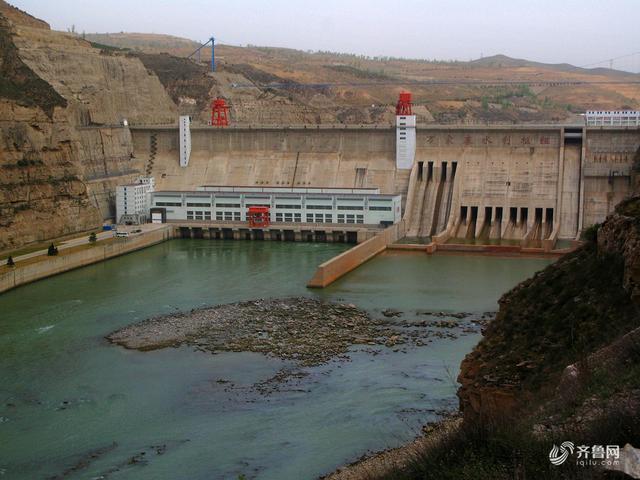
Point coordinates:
[(590, 235), (629, 207)]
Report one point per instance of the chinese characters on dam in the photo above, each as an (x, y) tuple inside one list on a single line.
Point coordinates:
[(482, 139)]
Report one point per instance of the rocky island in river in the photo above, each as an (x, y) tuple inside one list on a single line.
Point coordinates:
[(302, 329)]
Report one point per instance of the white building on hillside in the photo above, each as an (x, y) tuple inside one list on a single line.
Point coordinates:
[(132, 201)]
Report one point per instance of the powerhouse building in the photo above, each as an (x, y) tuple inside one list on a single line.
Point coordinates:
[(288, 205)]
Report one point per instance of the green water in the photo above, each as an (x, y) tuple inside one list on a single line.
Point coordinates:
[(414, 240), (484, 241), (65, 392)]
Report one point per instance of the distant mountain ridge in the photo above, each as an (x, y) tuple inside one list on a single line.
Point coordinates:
[(501, 60)]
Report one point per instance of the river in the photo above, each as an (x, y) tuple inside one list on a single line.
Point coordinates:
[(74, 406)]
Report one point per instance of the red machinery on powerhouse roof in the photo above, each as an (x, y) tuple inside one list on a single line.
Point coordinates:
[(258, 217)]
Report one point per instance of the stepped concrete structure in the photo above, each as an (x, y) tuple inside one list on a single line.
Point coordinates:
[(518, 183)]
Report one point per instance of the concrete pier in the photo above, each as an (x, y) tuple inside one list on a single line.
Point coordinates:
[(285, 232), (338, 266)]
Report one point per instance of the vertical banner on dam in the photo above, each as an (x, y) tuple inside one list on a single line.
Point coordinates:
[(185, 140), (405, 141)]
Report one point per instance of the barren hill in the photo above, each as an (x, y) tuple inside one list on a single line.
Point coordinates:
[(147, 42), (353, 88), (21, 17)]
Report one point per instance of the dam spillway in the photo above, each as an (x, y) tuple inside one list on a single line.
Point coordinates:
[(523, 183)]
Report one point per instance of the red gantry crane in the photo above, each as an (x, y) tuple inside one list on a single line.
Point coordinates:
[(219, 113), (403, 107)]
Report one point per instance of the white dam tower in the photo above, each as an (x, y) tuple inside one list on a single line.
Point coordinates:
[(405, 133)]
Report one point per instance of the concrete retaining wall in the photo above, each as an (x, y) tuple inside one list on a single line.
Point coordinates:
[(63, 263), (330, 271)]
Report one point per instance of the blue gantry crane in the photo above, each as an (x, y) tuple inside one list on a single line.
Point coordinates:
[(198, 51)]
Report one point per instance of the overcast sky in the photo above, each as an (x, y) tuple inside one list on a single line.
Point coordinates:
[(580, 32)]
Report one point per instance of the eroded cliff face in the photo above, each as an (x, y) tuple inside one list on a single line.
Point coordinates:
[(63, 147), (41, 191), (561, 317)]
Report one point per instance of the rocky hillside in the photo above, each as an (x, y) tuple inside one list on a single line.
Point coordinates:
[(192, 87), (266, 84), (553, 320), (561, 316), (62, 146)]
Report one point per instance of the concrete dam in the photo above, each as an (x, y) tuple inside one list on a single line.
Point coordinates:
[(527, 184)]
